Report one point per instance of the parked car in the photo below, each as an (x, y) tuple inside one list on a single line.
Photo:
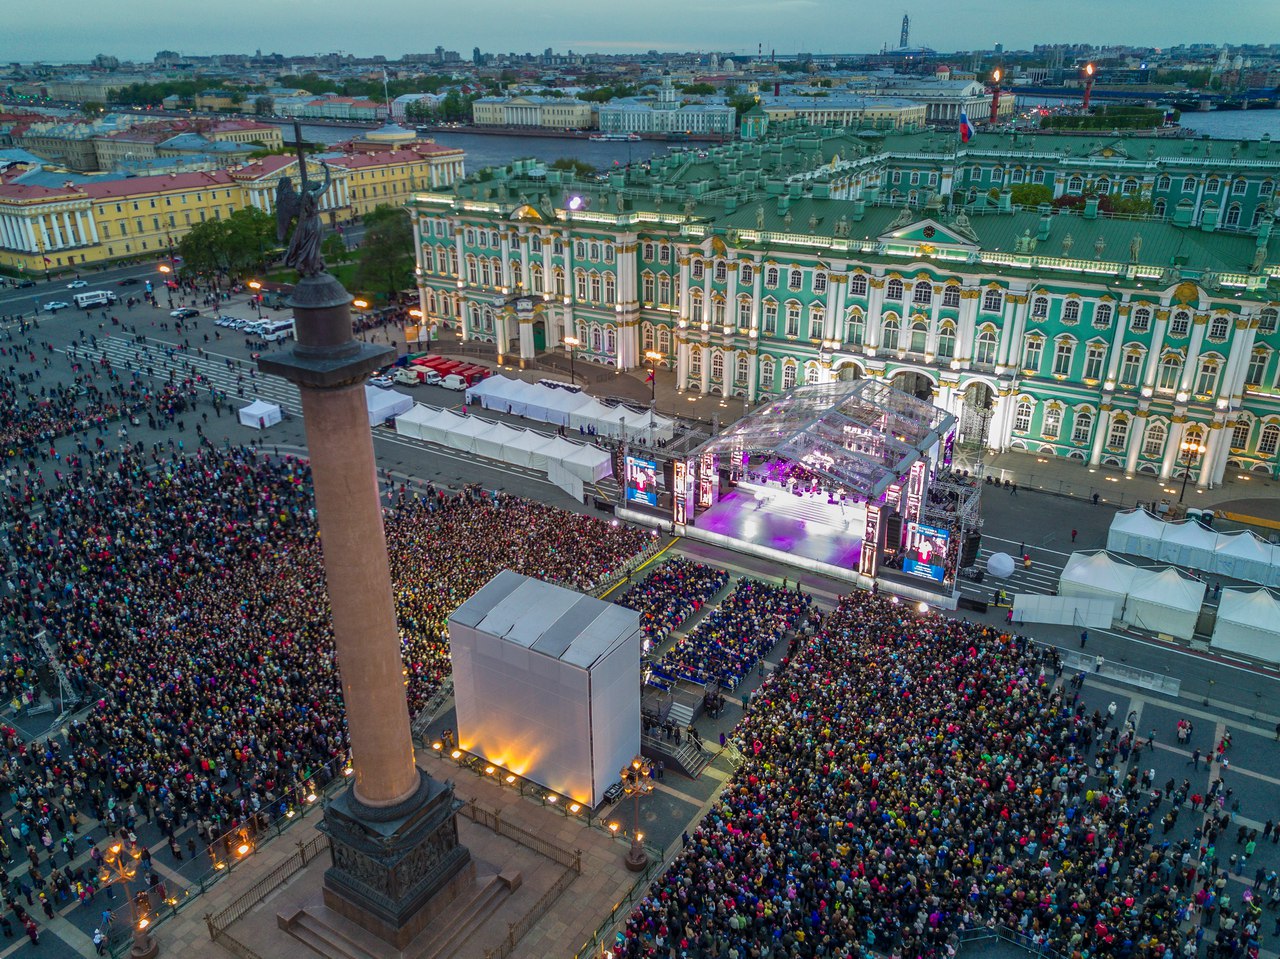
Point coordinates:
[(129, 281), (77, 284), (57, 305), (23, 284), (381, 380), (454, 382), (184, 313)]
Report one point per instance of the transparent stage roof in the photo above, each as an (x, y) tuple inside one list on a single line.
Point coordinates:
[(861, 435)]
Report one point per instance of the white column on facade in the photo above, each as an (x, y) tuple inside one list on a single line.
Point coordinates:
[(1157, 342), (1172, 448), (1100, 434), (1232, 385), (704, 366), (1223, 454), (757, 289), (461, 253), (705, 318), (966, 327), (8, 231), (67, 230), (682, 294), (753, 376), (1189, 369), (524, 261), (82, 234), (1003, 405), (29, 229), (1209, 461), (504, 253), (1013, 321), (875, 303), (1117, 342), (1137, 435), (682, 360), (58, 243), (837, 331), (45, 243)]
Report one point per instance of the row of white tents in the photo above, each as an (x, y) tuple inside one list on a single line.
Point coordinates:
[(1168, 601), (1241, 555), (470, 434), (1162, 601), (566, 408)]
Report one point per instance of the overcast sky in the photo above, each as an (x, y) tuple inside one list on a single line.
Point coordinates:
[(136, 29)]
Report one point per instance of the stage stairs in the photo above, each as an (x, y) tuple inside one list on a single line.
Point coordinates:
[(686, 757)]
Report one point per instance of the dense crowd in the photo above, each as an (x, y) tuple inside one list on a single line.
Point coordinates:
[(671, 594), (186, 597), (726, 645), (908, 777)]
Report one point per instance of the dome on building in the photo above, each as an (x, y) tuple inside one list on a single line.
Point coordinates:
[(390, 133)]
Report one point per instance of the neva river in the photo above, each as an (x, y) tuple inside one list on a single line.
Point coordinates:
[(484, 150)]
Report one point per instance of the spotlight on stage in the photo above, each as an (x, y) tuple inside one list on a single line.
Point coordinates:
[(577, 203)]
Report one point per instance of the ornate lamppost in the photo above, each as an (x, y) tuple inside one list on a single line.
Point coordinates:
[(637, 781), (121, 866)]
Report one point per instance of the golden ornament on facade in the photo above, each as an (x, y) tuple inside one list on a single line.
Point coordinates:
[(1186, 292)]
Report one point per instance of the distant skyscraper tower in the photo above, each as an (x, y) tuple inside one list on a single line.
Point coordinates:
[(905, 40)]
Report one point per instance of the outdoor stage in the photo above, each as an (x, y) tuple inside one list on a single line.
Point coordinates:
[(804, 525)]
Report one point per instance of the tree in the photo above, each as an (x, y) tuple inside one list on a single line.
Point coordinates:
[(238, 244), (698, 89), (1031, 194), (92, 109), (385, 262), (333, 248), (264, 106), (577, 167)]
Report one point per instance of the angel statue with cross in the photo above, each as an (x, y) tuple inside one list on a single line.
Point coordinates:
[(303, 253)]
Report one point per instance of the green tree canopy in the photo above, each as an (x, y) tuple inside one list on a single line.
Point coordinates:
[(385, 262), (1031, 194), (576, 166), (238, 245)]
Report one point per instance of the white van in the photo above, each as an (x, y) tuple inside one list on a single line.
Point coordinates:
[(94, 298), (454, 382), (273, 330)]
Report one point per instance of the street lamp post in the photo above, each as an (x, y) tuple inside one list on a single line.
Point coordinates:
[(572, 342), (637, 781), (121, 866), (1191, 450), (257, 296)]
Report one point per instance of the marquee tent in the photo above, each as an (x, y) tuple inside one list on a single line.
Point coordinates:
[(1097, 576), (1136, 532), (1164, 601), (1248, 623), (1188, 544), (1243, 556), (384, 404), (260, 414), (506, 444), (565, 408)]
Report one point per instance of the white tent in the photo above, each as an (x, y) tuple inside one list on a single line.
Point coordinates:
[(1164, 602), (1097, 576), (1136, 532), (526, 448), (492, 441), (410, 423), (490, 387), (1188, 544), (1243, 556), (1248, 623), (384, 404), (589, 463), (259, 415), (1273, 574)]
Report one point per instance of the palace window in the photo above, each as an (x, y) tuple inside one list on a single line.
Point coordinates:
[(1207, 380), (664, 253), (1071, 312), (717, 365), (1180, 325), (559, 279), (1188, 184), (1082, 427), (1075, 185), (1240, 434), (695, 360), (893, 290), (1052, 422), (536, 277), (922, 294), (1062, 357), (985, 352), (744, 311), (788, 376), (610, 289), (817, 322), (1118, 437), (858, 284), (766, 373), (740, 368), (595, 251), (951, 296), (919, 336), (1233, 215), (595, 287), (1131, 369), (854, 326), (1268, 440), (1153, 442), (580, 284), (769, 321), (646, 251), (889, 337), (1163, 182), (721, 271), (1040, 307), (647, 287), (1141, 320), (819, 282), (992, 301), (1239, 187), (717, 312), (793, 318), (664, 289), (1266, 188), (1170, 373), (1257, 368), (1031, 354), (795, 279), (771, 276), (1093, 358), (1219, 327), (697, 269), (1022, 416), (1102, 316), (746, 273), (946, 341), (1267, 320)]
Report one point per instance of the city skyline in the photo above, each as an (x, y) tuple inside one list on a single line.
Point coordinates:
[(787, 26)]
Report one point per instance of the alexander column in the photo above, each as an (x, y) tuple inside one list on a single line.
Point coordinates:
[(393, 835)]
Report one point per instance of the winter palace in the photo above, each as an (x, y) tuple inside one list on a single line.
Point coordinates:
[(1146, 344)]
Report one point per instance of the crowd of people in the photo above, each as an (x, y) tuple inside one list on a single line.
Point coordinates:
[(908, 777), (185, 596), (672, 593), (726, 645)]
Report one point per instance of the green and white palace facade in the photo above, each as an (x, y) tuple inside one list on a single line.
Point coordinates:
[(815, 254)]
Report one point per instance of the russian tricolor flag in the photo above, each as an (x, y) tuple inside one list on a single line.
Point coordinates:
[(966, 128)]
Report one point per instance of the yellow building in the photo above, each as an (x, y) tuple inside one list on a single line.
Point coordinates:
[(214, 100), (96, 220), (558, 113), (844, 110)]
